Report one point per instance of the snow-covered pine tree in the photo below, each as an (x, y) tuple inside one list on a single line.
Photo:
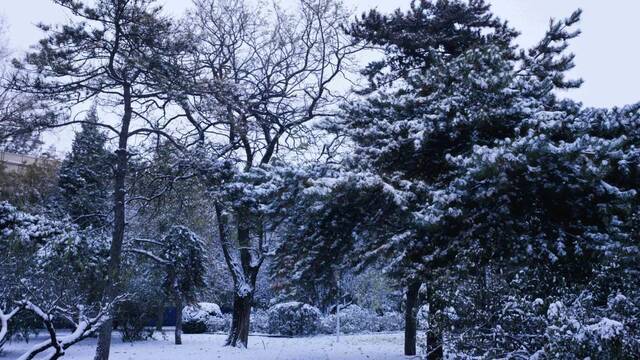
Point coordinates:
[(120, 52), (166, 194), (444, 85), (544, 215), (451, 81), (180, 257), (48, 269), (85, 177)]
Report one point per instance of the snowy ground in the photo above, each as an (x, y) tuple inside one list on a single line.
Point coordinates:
[(208, 346)]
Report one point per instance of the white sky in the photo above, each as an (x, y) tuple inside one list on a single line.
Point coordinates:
[(607, 52)]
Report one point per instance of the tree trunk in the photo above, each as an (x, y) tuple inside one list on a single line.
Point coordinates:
[(244, 277), (178, 331), (239, 333), (115, 252), (435, 350), (435, 340), (160, 317), (410, 323)]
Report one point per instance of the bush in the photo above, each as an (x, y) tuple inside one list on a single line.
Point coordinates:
[(194, 327), (203, 317), (293, 318), (354, 319), (390, 321), (201, 310), (259, 321), (132, 318), (219, 323)]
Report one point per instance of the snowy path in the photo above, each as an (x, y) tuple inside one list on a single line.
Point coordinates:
[(208, 346)]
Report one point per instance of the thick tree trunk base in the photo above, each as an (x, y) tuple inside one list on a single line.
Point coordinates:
[(239, 333), (410, 322), (104, 341)]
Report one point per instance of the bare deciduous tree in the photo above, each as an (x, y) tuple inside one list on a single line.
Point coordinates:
[(257, 78)]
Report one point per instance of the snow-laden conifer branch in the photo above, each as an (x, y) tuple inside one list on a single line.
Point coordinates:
[(150, 255)]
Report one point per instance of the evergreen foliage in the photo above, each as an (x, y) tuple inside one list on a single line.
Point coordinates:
[(85, 185), (470, 174)]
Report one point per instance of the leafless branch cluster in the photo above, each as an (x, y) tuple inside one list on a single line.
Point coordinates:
[(84, 325), (260, 74)]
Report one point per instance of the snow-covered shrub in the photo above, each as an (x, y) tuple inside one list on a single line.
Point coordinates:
[(193, 326), (570, 332), (218, 323), (293, 318), (353, 319), (259, 322), (203, 317), (132, 317), (201, 310), (389, 321), (328, 324)]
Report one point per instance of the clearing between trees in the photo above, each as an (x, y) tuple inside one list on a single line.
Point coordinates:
[(208, 346)]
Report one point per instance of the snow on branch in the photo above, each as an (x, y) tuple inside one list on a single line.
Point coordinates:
[(85, 326), (4, 321), (149, 255)]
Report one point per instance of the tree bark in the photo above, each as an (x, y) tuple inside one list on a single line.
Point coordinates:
[(239, 333), (410, 322), (119, 223), (178, 331), (244, 277), (160, 316)]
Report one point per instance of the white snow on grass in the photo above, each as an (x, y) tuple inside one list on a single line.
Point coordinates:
[(209, 346)]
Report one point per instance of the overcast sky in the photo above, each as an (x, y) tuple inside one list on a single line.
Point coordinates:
[(607, 52)]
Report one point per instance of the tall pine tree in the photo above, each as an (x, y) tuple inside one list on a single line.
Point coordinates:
[(451, 81), (443, 85), (85, 187)]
